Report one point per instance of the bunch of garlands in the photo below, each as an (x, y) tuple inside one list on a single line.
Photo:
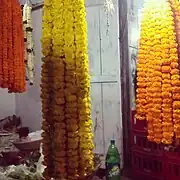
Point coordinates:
[(175, 5), (12, 68), (28, 42), (65, 92), (158, 79)]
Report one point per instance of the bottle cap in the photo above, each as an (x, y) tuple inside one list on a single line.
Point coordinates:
[(113, 142)]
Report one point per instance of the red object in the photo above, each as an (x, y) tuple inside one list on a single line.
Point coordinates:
[(23, 132), (11, 157), (147, 167), (137, 124), (172, 168), (140, 142), (151, 161)]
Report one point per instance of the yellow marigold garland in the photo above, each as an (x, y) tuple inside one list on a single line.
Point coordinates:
[(86, 146), (58, 91), (67, 142), (46, 86)]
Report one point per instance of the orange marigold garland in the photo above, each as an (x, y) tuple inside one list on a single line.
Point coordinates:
[(168, 44), (11, 54), (18, 49), (1, 45), (10, 46), (175, 78), (5, 35), (149, 82), (162, 78), (141, 74)]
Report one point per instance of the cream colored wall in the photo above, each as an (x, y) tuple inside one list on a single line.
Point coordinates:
[(7, 103)]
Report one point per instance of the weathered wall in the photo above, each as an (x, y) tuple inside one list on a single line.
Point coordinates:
[(7, 104)]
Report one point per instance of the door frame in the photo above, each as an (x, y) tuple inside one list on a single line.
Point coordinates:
[(125, 83)]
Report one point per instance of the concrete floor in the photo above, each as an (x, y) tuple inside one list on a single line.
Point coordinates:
[(122, 178)]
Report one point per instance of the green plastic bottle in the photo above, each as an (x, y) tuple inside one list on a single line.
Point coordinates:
[(113, 162)]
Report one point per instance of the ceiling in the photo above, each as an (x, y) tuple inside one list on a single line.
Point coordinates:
[(32, 1), (36, 1)]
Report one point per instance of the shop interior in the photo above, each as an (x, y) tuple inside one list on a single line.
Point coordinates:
[(90, 89)]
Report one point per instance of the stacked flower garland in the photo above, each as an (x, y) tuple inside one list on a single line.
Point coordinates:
[(65, 91), (175, 5), (11, 47), (28, 41), (158, 80)]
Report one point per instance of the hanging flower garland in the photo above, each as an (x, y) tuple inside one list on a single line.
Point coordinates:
[(1, 45), (46, 90), (86, 145), (11, 45), (28, 40), (58, 87), (159, 55), (175, 79), (18, 49), (5, 43), (67, 136)]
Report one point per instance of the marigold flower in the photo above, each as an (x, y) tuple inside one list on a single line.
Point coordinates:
[(159, 48), (67, 111)]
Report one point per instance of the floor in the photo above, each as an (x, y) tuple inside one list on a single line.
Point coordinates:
[(122, 178)]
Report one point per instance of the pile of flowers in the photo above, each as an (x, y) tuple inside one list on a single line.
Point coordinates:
[(12, 68), (158, 79), (65, 91)]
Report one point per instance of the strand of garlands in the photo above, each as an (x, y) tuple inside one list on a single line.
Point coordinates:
[(46, 91), (67, 136), (175, 6), (11, 47), (144, 104), (28, 41), (162, 72)]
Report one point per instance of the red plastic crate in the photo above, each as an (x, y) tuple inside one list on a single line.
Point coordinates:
[(147, 167), (140, 142), (137, 124), (173, 169), (137, 175), (172, 153)]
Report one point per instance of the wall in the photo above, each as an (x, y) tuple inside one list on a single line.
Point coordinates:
[(134, 18), (105, 77), (7, 104)]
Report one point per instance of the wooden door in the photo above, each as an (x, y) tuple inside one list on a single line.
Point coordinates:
[(105, 76)]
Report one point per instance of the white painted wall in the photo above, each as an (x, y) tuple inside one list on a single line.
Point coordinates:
[(7, 103)]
